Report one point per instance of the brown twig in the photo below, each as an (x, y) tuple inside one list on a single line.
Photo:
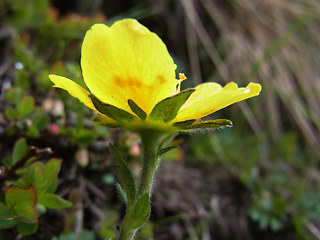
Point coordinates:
[(32, 152)]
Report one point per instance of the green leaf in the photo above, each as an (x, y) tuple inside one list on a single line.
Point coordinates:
[(137, 110), (6, 219), (111, 111), (142, 211), (167, 109), (21, 203), (27, 228), (82, 136), (166, 149), (33, 131), (19, 150), (12, 114), (44, 176), (126, 177), (53, 186), (213, 124), (22, 79), (53, 201), (27, 215), (7, 161), (19, 198), (85, 235), (41, 121), (50, 174), (14, 95), (35, 176), (123, 195), (25, 107)]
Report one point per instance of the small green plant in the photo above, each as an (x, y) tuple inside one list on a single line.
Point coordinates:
[(280, 192), (130, 86), (29, 187), (24, 115)]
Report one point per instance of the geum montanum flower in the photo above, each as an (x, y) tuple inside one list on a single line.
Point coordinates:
[(133, 85)]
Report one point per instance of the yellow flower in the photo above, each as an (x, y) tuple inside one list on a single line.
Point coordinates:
[(132, 82)]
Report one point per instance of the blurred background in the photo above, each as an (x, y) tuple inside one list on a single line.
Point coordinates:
[(257, 180)]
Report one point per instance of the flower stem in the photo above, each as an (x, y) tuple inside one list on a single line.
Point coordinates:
[(150, 142), (126, 231)]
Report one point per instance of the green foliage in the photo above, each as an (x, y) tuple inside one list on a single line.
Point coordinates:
[(6, 220), (107, 228), (43, 176), (142, 211), (165, 150), (25, 107), (53, 201), (269, 210), (21, 203), (37, 39), (19, 209), (146, 232), (25, 115), (19, 150), (129, 186), (32, 183), (85, 235), (27, 228), (278, 185)]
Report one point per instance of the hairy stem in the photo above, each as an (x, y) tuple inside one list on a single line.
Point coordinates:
[(150, 142)]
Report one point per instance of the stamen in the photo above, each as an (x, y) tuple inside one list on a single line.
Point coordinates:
[(182, 76)]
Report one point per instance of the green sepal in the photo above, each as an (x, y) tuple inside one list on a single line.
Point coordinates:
[(102, 120), (53, 201), (165, 150), (184, 123), (166, 140), (210, 124), (111, 111), (167, 109), (142, 211), (137, 110), (126, 176)]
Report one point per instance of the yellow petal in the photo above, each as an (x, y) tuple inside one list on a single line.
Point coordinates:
[(211, 97), (76, 91), (127, 61)]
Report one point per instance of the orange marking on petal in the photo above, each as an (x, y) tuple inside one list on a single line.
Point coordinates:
[(161, 79), (125, 82)]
